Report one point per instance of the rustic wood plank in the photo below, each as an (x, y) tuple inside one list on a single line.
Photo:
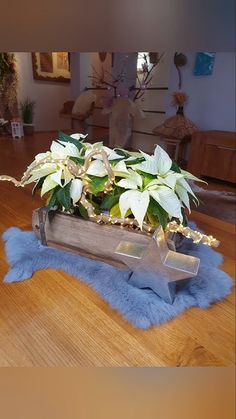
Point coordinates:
[(83, 237)]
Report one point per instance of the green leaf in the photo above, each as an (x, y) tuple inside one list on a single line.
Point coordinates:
[(175, 167), (193, 199), (157, 211), (97, 184), (109, 201), (136, 160), (64, 198), (77, 160), (147, 178), (153, 219), (52, 199), (115, 211), (185, 219), (83, 212), (67, 139), (122, 152)]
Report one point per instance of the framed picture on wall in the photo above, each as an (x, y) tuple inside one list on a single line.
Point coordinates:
[(204, 64), (51, 66)]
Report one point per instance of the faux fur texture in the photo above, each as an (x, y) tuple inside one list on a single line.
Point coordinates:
[(142, 308)]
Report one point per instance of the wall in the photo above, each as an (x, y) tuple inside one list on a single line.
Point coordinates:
[(211, 102), (81, 68), (49, 97)]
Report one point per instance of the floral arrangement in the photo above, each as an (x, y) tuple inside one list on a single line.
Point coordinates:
[(115, 186)]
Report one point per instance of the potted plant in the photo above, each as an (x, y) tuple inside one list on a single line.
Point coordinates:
[(112, 186), (27, 111), (112, 203)]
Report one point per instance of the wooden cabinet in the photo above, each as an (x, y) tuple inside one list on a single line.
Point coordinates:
[(213, 154)]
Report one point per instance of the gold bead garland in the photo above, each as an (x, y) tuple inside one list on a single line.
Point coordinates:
[(196, 236), (76, 171)]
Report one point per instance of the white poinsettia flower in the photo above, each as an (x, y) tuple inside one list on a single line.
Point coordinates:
[(62, 150), (76, 190), (157, 164), (162, 194), (78, 136)]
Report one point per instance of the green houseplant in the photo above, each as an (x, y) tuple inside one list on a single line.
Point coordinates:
[(114, 186), (27, 108)]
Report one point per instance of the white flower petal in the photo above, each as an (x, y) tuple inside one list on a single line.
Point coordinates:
[(189, 176), (148, 166), (72, 150), (139, 202), (42, 156), (58, 151), (57, 177), (163, 160), (93, 147), (67, 176), (78, 136), (121, 167), (154, 184), (76, 190), (185, 185), (45, 170), (61, 150), (134, 176), (97, 168), (170, 179), (127, 184), (183, 195), (124, 202), (168, 201), (112, 155), (48, 185), (145, 155)]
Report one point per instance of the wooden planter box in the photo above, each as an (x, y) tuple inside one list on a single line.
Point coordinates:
[(151, 261), (84, 237)]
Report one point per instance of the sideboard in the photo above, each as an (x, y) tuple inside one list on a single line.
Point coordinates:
[(213, 154)]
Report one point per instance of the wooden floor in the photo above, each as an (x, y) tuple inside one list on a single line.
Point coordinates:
[(54, 320)]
